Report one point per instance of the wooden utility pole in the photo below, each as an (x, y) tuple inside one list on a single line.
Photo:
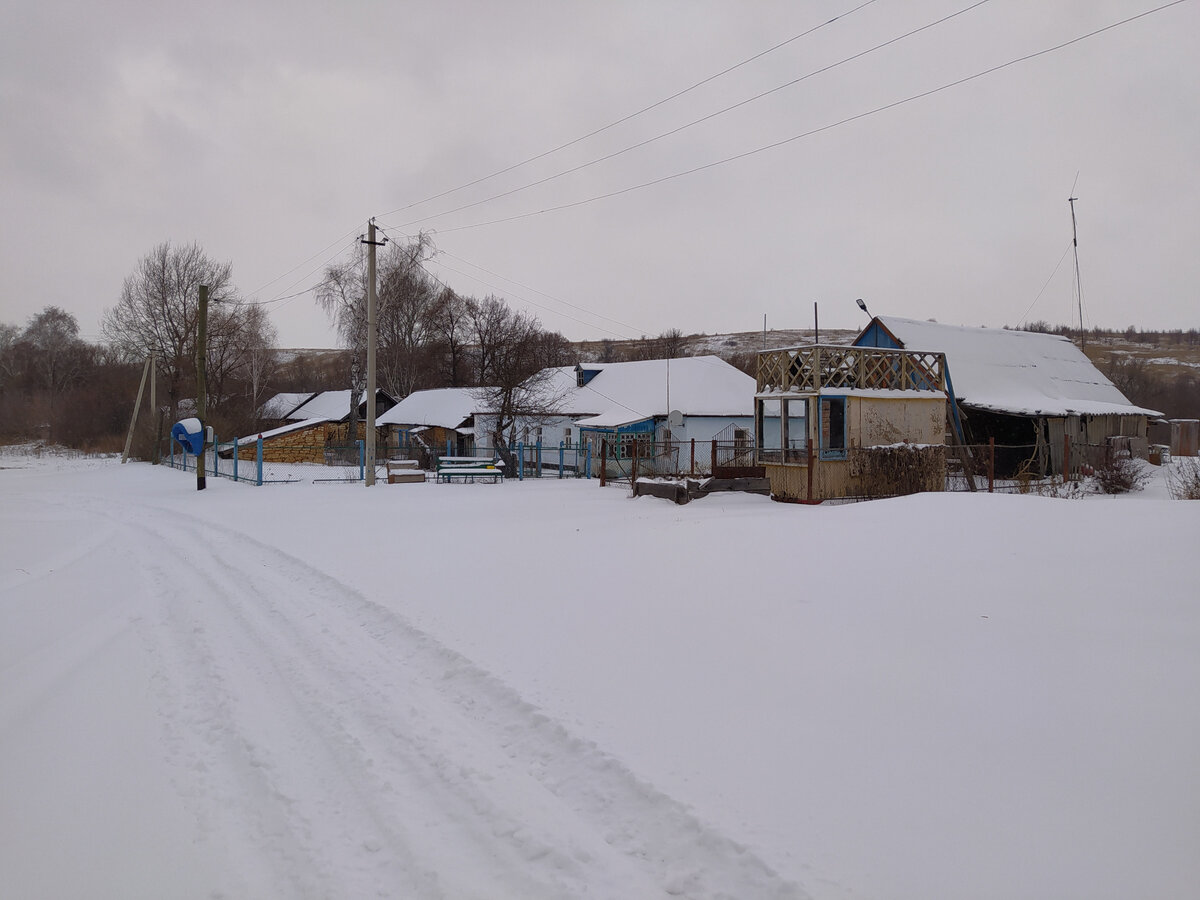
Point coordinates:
[(369, 433), (137, 404), (201, 372)]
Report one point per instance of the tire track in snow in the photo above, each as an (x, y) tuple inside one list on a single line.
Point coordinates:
[(386, 764)]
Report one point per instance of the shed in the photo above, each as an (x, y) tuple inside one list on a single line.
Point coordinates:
[(1031, 393)]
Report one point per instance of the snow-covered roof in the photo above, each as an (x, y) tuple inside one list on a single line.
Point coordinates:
[(440, 407), (1016, 372), (283, 429), (328, 405), (627, 392), (283, 403)]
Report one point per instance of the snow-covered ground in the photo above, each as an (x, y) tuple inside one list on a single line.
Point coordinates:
[(550, 690)]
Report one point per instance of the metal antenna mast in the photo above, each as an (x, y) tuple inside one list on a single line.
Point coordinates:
[(1078, 283)]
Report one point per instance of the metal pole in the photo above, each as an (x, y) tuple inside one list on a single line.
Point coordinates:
[(258, 460)]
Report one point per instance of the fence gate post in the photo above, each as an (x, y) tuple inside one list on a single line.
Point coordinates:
[(713, 461), (692, 467), (258, 455), (1066, 457), (603, 460), (362, 460), (991, 464), (561, 449), (237, 451)]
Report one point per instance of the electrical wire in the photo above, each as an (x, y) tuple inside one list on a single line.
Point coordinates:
[(633, 115), (815, 131), (1025, 315), (702, 119)]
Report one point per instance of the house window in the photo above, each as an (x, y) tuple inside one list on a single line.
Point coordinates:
[(833, 428), (567, 436)]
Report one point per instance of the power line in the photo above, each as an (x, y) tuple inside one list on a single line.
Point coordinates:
[(845, 121), (630, 337), (702, 119), (284, 300), (336, 241), (633, 115)]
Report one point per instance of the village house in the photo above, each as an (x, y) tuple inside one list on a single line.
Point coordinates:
[(432, 422), (275, 411), (850, 422), (316, 431)]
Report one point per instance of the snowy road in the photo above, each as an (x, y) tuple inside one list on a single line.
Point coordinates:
[(315, 691), (314, 743)]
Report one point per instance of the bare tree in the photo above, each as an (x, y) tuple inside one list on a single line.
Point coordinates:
[(408, 299), (158, 310), (449, 334), (58, 355), (519, 385), (9, 368), (342, 293)]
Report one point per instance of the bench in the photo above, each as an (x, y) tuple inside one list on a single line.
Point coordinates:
[(490, 475), (469, 468), (476, 461), (404, 471)]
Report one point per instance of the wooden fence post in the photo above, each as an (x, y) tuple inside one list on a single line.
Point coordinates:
[(991, 464), (692, 468), (713, 460), (1066, 457)]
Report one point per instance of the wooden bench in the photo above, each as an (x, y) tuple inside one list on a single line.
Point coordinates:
[(404, 471)]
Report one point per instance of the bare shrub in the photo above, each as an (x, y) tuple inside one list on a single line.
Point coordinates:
[(1183, 479), (898, 470), (1120, 473)]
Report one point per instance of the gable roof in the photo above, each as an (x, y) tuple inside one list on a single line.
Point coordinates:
[(282, 429), (1015, 372), (627, 392), (334, 405), (440, 407), (283, 403)]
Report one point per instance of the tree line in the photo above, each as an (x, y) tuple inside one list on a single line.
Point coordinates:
[(56, 386)]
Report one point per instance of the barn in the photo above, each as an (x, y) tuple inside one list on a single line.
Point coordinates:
[(1036, 396)]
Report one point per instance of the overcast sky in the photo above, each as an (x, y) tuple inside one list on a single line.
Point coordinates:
[(270, 133)]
